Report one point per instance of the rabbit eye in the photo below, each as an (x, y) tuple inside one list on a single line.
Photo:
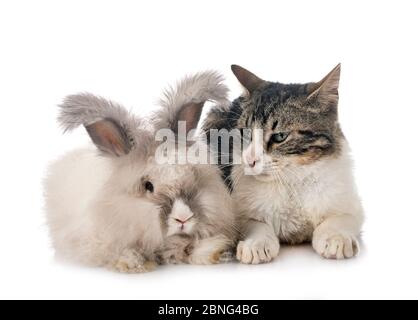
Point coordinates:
[(149, 186)]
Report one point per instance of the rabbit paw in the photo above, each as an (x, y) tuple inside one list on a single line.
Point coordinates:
[(336, 246), (205, 259), (210, 251), (227, 257), (133, 262), (256, 251), (175, 250)]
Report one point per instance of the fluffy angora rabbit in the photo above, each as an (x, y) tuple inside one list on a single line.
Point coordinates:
[(116, 206)]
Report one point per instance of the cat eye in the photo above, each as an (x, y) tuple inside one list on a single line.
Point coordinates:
[(279, 137), (149, 186)]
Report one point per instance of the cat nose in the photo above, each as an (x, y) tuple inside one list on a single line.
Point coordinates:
[(252, 161)]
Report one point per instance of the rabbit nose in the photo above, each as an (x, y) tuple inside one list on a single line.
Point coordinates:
[(181, 212), (180, 221), (183, 221)]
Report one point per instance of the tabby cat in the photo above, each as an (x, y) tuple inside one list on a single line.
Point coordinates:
[(298, 186)]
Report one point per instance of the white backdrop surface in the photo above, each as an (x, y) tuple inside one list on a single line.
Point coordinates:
[(130, 50)]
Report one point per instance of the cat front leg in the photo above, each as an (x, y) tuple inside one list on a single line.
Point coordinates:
[(261, 244), (336, 237)]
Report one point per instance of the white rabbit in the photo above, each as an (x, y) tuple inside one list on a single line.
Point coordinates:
[(117, 207)]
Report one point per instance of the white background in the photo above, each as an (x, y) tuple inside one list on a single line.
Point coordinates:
[(130, 50)]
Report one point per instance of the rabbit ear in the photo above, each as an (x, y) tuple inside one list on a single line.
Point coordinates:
[(110, 126), (109, 137), (190, 113), (185, 102)]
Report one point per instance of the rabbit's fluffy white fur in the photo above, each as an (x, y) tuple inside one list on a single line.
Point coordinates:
[(116, 207)]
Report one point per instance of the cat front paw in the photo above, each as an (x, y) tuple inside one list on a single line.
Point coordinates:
[(133, 262), (256, 251), (336, 246)]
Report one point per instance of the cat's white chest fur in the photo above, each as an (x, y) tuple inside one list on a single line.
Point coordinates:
[(298, 202), (278, 205)]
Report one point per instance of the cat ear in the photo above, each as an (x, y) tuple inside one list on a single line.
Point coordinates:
[(249, 80), (326, 90)]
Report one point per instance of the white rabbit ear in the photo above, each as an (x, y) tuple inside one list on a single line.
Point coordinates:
[(111, 127), (185, 101)]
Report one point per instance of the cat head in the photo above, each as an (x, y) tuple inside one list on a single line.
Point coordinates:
[(291, 124)]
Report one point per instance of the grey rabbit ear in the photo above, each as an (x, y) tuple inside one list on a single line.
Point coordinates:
[(111, 127), (326, 90), (248, 80), (190, 113), (109, 137), (184, 102)]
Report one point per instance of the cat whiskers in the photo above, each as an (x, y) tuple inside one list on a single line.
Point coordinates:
[(235, 227), (236, 178)]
